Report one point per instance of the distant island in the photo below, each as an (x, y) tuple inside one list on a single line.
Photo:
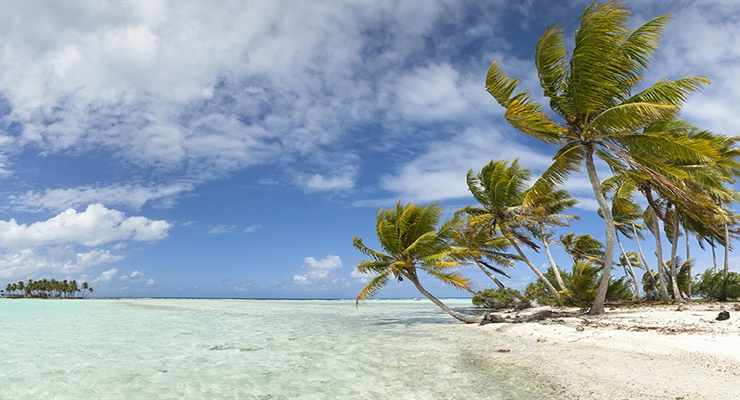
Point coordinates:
[(46, 289)]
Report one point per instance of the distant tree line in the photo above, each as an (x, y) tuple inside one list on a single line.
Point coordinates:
[(47, 289)]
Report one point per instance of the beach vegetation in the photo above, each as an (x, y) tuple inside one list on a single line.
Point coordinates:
[(497, 298), (717, 285), (48, 289), (412, 241), (581, 286), (500, 188), (474, 243), (599, 115)]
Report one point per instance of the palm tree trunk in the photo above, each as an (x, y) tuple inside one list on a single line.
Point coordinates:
[(543, 279), (727, 251), (644, 260), (598, 305), (714, 255), (468, 319), (555, 269), (688, 258), (635, 283), (498, 283), (674, 249), (659, 255)]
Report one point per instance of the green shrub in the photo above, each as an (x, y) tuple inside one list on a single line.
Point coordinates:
[(581, 287), (715, 286), (495, 298)]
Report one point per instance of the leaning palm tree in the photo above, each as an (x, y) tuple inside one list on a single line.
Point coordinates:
[(499, 189), (592, 93), (412, 242), (474, 243), (548, 210)]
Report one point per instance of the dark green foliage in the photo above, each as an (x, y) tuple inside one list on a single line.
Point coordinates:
[(715, 286), (495, 298), (653, 293), (581, 286), (44, 289)]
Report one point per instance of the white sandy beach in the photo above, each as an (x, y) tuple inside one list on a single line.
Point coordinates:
[(631, 352)]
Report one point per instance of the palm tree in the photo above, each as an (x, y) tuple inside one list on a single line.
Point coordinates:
[(547, 211), (475, 243), (499, 188), (583, 248), (411, 242), (593, 94)]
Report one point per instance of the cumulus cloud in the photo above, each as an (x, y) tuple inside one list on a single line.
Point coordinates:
[(94, 226), (320, 272), (51, 245), (22, 263)]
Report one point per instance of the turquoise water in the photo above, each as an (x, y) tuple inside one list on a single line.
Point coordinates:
[(248, 349)]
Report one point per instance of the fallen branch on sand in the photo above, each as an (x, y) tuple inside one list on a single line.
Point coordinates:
[(489, 318)]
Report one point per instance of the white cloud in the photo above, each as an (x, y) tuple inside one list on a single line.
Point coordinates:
[(106, 276), (23, 263), (133, 196), (50, 245), (319, 271), (432, 93), (150, 282), (319, 182), (252, 228), (95, 226), (360, 277), (439, 173), (220, 229), (134, 276)]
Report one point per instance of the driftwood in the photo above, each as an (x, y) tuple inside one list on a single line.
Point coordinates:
[(538, 316)]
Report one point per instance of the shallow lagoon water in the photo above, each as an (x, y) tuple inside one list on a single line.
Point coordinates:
[(250, 349)]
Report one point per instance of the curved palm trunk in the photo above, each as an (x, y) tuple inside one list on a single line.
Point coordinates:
[(468, 319), (659, 255), (554, 266), (674, 249), (635, 283), (644, 260), (539, 274), (598, 305), (498, 283)]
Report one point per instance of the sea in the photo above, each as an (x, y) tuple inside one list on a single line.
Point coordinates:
[(253, 349)]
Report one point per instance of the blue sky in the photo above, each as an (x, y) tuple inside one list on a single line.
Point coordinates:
[(233, 149)]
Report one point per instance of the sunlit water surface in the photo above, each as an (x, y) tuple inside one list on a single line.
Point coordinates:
[(249, 349)]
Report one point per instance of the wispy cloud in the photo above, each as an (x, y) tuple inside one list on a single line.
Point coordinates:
[(252, 228), (221, 229), (132, 196)]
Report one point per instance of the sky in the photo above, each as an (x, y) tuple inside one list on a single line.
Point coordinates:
[(234, 148)]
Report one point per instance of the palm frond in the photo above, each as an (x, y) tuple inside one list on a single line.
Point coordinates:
[(566, 160), (551, 68), (372, 287)]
